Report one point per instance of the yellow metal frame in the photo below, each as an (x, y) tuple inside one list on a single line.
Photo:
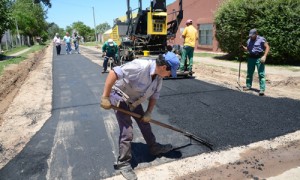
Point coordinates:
[(115, 35), (157, 26)]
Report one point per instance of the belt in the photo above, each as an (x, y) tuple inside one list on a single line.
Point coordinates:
[(119, 92), (256, 55)]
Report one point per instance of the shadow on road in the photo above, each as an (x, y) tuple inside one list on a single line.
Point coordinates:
[(141, 154)]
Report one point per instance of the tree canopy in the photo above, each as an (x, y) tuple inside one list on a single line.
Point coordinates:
[(277, 20), (101, 28), (6, 19), (30, 18)]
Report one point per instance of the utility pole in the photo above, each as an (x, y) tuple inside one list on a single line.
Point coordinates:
[(95, 25)]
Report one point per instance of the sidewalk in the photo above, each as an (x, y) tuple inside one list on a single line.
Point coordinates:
[(20, 52)]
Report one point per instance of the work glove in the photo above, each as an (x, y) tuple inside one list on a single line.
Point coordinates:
[(263, 59), (147, 117), (105, 103)]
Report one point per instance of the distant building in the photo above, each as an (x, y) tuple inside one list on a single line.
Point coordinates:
[(202, 14), (106, 35)]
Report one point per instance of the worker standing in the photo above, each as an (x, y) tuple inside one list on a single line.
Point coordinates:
[(190, 36), (109, 49), (258, 49), (128, 86)]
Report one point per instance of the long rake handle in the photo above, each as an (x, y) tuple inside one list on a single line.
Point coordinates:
[(165, 126)]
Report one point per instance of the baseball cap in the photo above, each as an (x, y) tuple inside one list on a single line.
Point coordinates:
[(173, 61), (252, 32), (189, 21), (110, 42)]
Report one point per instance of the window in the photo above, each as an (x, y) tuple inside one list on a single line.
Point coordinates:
[(206, 34)]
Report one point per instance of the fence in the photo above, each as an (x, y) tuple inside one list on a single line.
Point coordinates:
[(10, 41)]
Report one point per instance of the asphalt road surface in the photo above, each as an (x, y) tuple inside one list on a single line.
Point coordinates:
[(79, 141)]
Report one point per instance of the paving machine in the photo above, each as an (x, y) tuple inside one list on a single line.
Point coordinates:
[(147, 31)]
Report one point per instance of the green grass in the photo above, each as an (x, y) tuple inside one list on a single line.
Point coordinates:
[(15, 50), (21, 57)]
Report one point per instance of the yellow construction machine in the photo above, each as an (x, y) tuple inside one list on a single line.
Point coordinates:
[(146, 32)]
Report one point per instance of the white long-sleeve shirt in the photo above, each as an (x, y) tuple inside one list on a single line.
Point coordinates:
[(57, 41)]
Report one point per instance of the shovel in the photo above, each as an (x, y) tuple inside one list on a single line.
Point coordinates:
[(185, 133)]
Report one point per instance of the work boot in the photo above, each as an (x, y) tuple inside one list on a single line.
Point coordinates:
[(261, 93), (246, 88), (127, 172), (157, 149), (191, 73), (180, 72)]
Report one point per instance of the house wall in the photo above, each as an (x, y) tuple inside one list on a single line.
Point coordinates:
[(201, 12)]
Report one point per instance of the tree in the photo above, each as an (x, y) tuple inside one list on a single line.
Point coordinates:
[(81, 29), (6, 19), (277, 20), (53, 29), (101, 28), (30, 18), (45, 2)]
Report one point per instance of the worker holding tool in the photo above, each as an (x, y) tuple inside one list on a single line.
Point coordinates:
[(109, 49), (127, 87), (258, 49), (190, 35)]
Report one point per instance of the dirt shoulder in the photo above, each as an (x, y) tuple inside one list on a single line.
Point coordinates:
[(26, 97), (281, 82)]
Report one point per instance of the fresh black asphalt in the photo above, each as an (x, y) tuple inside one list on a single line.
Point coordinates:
[(74, 143)]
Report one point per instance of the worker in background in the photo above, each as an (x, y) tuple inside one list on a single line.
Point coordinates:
[(57, 42), (258, 49), (109, 49), (190, 36), (170, 54), (76, 40), (127, 87)]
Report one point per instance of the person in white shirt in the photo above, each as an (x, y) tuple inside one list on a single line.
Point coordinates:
[(128, 86), (57, 42)]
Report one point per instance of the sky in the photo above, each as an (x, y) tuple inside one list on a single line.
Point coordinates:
[(65, 12)]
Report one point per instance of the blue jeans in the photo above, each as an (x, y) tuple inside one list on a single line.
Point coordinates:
[(76, 45), (68, 48)]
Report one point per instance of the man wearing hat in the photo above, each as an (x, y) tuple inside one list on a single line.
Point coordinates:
[(190, 35), (258, 49), (109, 49), (127, 87)]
